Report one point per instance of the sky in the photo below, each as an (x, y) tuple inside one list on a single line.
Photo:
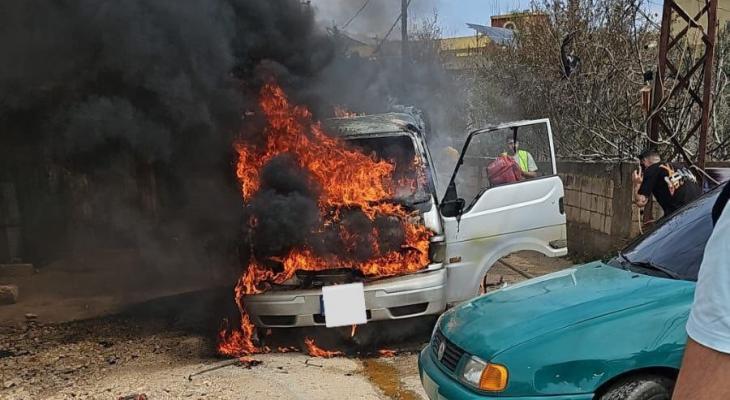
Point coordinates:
[(379, 15), (454, 14)]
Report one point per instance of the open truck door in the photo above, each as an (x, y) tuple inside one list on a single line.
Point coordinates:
[(486, 218)]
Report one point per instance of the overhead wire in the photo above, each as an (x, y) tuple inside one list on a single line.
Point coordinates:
[(387, 34), (349, 21)]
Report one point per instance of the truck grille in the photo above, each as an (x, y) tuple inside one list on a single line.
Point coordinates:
[(452, 353)]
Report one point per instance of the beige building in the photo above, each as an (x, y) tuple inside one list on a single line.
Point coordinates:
[(693, 7)]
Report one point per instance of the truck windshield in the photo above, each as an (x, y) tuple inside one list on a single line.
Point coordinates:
[(409, 175), (675, 247)]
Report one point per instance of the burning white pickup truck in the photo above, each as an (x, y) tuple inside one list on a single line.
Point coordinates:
[(381, 224)]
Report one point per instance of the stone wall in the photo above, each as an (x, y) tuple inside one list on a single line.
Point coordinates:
[(601, 216), (598, 204)]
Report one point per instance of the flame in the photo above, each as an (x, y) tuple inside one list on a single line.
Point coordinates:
[(348, 179), (387, 353), (352, 332), (316, 351), (342, 112)]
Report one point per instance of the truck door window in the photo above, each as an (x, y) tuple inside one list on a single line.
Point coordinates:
[(500, 157)]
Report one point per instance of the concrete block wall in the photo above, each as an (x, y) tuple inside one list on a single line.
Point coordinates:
[(601, 217), (589, 201)]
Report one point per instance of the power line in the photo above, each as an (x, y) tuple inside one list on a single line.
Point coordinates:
[(387, 34), (356, 14)]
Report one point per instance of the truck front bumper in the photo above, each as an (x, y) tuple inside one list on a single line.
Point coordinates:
[(401, 297)]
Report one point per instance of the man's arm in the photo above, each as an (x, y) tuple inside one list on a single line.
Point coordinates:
[(639, 199), (531, 167), (705, 374)]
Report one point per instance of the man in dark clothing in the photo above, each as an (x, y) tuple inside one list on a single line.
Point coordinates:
[(673, 186)]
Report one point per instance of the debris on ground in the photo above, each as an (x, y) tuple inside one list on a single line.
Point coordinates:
[(133, 397)]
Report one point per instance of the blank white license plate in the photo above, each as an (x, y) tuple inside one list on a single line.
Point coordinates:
[(344, 305)]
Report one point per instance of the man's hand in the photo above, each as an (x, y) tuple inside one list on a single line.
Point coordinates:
[(637, 177)]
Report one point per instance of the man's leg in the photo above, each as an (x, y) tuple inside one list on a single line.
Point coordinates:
[(705, 374)]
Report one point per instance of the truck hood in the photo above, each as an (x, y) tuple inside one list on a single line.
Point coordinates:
[(498, 321)]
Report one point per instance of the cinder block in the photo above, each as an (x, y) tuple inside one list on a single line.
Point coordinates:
[(607, 225), (572, 214), (568, 180), (608, 209), (585, 217), (597, 221), (590, 185), (585, 201), (609, 189), (572, 198), (598, 202)]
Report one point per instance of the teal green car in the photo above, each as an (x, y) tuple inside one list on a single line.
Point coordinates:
[(606, 330)]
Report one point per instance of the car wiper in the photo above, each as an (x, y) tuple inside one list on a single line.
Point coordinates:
[(655, 267), (647, 265)]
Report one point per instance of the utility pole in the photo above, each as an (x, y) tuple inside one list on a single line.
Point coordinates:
[(694, 81), (405, 55)]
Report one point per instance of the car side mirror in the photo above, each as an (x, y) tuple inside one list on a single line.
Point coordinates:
[(452, 208)]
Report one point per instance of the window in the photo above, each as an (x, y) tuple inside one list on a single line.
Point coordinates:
[(678, 242), (491, 159)]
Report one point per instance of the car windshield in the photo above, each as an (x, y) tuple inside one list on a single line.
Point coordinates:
[(674, 248)]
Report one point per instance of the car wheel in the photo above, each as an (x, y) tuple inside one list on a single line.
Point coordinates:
[(642, 387)]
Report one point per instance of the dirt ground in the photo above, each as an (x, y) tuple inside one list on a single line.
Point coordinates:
[(157, 346)]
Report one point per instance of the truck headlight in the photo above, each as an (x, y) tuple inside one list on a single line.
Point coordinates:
[(437, 249), (483, 375)]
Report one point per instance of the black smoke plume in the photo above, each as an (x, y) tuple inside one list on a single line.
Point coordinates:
[(117, 118)]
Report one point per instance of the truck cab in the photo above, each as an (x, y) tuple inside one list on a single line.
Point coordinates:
[(474, 225)]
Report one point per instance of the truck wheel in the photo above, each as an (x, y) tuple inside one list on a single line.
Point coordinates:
[(641, 387)]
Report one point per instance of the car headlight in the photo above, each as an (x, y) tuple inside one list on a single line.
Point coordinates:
[(484, 376)]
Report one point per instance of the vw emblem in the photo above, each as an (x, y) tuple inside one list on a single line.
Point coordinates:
[(441, 350)]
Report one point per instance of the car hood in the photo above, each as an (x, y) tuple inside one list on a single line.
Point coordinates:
[(495, 322)]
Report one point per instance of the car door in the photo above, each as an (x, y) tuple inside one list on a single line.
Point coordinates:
[(486, 218)]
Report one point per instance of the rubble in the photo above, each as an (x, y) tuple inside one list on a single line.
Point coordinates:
[(133, 397)]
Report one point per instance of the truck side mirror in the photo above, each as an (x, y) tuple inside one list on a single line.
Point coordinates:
[(452, 208)]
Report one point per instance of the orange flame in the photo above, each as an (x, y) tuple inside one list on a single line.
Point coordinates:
[(352, 332), (316, 351), (342, 112), (347, 178)]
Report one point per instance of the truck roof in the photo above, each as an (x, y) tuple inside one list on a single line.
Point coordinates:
[(366, 125)]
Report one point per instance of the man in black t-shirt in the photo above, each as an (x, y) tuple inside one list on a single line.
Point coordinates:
[(673, 186)]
